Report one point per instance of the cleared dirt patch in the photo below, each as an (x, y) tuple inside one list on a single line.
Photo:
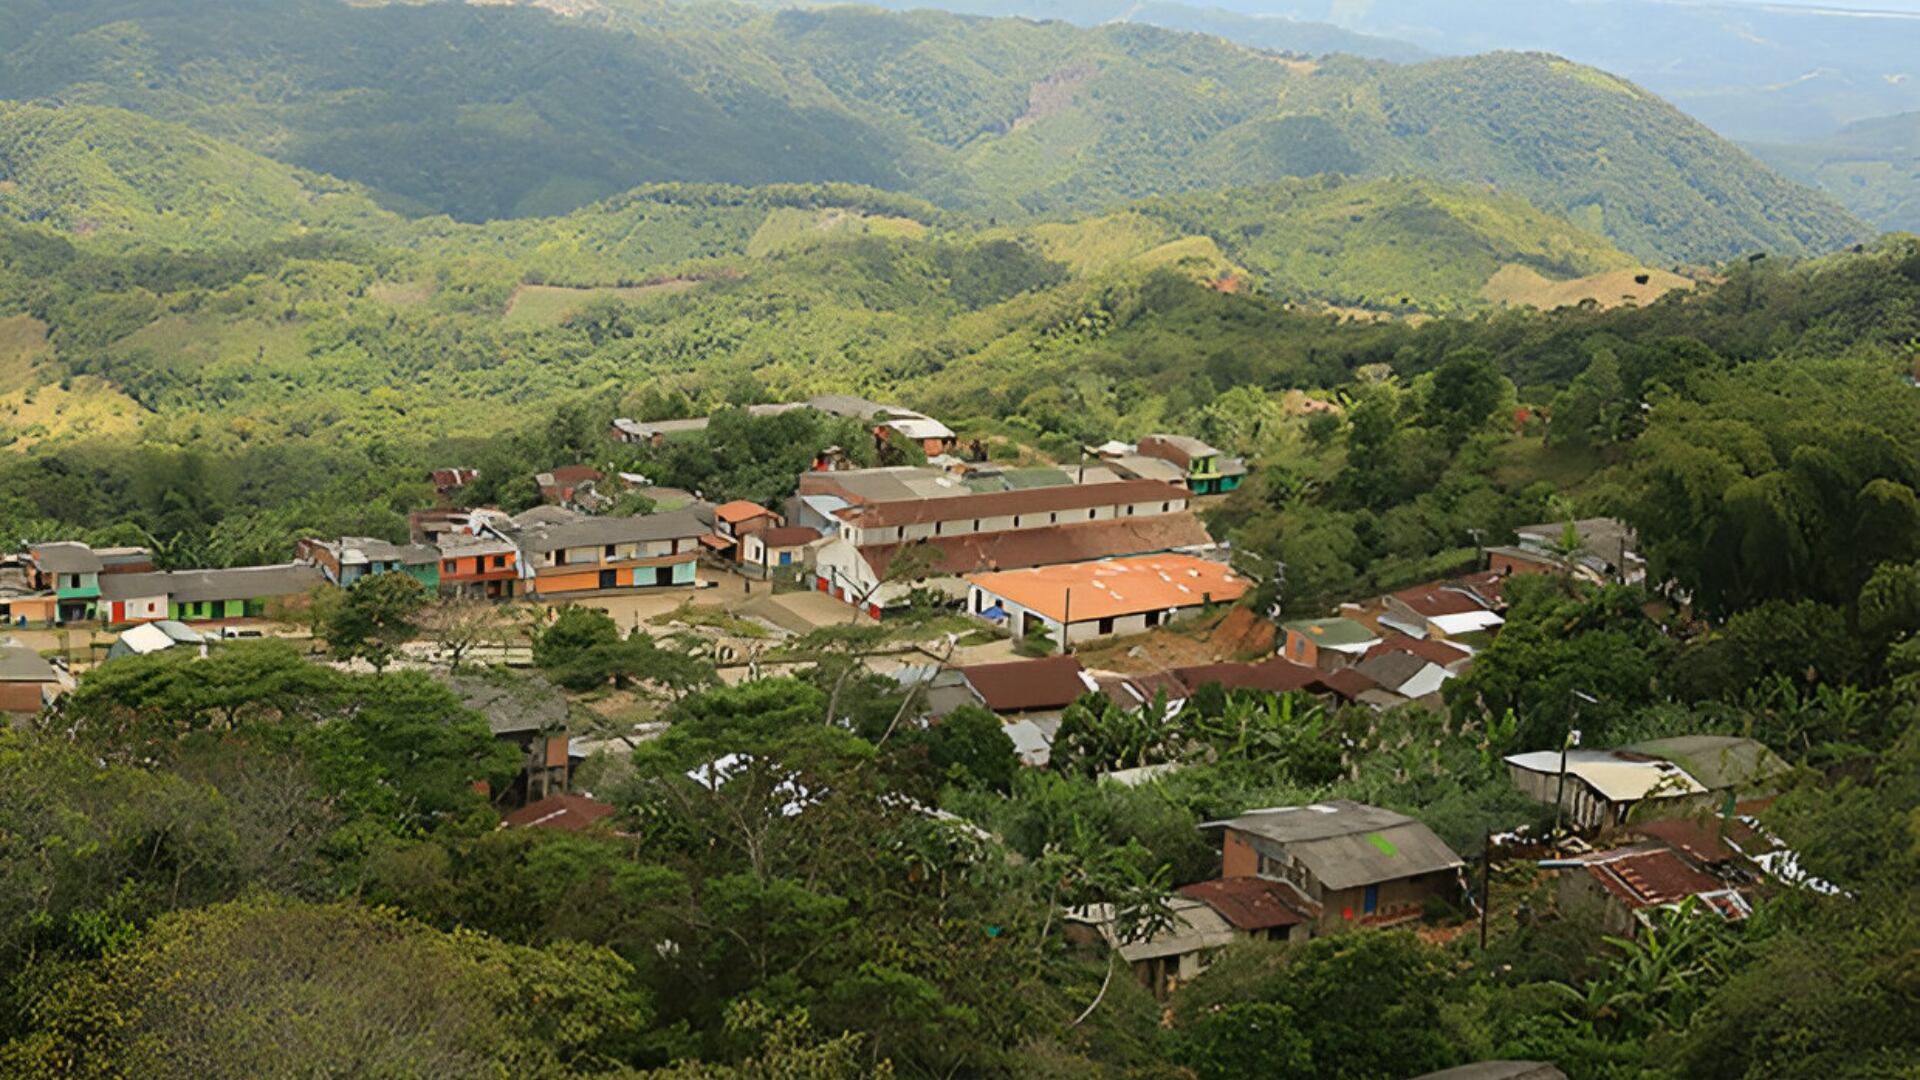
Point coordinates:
[(1055, 93), (1523, 286)]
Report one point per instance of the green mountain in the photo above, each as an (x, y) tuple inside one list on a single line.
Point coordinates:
[(1873, 167), (490, 112), (123, 178)]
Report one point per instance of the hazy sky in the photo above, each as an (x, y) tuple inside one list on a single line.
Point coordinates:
[(1851, 5)]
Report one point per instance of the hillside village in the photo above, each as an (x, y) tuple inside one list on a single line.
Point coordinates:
[(1063, 584)]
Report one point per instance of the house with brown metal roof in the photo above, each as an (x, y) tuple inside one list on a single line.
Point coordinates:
[(27, 681), (1024, 687), (1260, 909), (568, 813), (1625, 885)]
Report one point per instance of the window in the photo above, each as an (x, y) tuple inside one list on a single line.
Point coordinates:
[(1106, 626), (1016, 521), (939, 527), (1164, 507), (1091, 514), (499, 562), (1129, 509), (609, 551), (1053, 519), (1153, 619)]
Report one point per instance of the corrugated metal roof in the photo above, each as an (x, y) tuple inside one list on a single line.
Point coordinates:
[(598, 532), (65, 557), (1348, 844), (21, 664)]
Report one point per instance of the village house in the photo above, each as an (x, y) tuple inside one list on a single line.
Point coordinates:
[(481, 567), (566, 813), (1274, 675), (447, 482), (1606, 552), (1439, 611), (1163, 961), (571, 485), (931, 436), (733, 522), (1404, 674), (1624, 886), (1208, 472), (963, 531), (1347, 864), (561, 555), (1601, 789), (1076, 602), (27, 682), (1327, 644), (779, 548), (1259, 909), (349, 559), (529, 713), (71, 572), (1028, 688), (207, 595)]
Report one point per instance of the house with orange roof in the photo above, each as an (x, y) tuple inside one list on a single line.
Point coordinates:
[(1074, 602)]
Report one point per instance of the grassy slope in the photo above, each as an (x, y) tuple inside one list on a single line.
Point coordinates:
[(128, 180), (486, 112)]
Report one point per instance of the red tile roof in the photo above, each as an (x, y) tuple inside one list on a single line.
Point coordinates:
[(1249, 903), (741, 510), (574, 474), (991, 504), (569, 812), (1054, 544), (1027, 685)]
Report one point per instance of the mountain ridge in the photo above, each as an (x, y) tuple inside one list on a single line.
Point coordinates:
[(495, 112)]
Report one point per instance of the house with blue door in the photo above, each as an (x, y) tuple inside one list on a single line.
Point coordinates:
[(782, 547), (1344, 864)]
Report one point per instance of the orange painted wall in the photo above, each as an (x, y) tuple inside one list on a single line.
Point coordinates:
[(1237, 857)]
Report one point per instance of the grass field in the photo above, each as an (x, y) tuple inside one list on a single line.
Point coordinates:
[(88, 405), (22, 339), (1521, 286)]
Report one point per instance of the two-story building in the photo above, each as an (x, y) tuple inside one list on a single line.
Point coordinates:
[(590, 554), (1208, 471), (483, 567), (1346, 863), (349, 559), (71, 572), (959, 531)]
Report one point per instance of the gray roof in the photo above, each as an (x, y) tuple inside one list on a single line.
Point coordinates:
[(512, 704), (1392, 670), (66, 557), (857, 408), (597, 531), (1143, 467), (546, 515), (1718, 761), (1347, 844), (377, 550), (197, 586), (1186, 444), (21, 664)]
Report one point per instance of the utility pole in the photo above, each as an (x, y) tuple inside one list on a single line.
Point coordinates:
[(1571, 740), (1066, 625), (1486, 888)]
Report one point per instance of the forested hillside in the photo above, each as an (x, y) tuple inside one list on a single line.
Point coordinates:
[(1873, 167), (490, 112)]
